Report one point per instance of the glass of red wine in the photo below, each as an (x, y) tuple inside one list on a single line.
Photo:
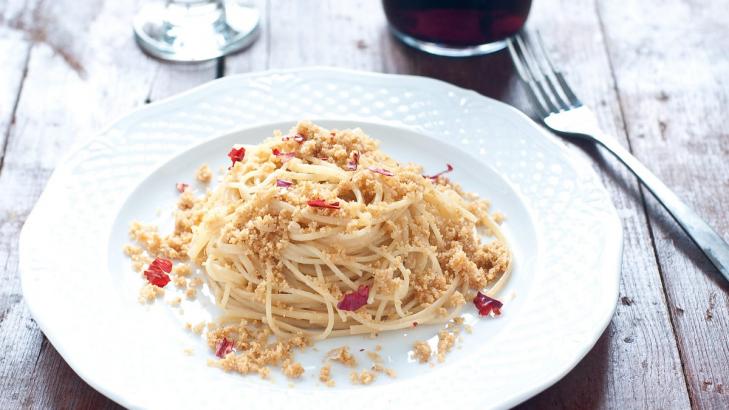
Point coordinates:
[(456, 28)]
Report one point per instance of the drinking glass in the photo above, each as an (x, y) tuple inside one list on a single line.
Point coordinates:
[(195, 30), (456, 28)]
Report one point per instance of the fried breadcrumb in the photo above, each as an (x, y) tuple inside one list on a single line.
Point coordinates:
[(292, 370), (343, 356), (363, 377), (325, 375), (421, 351), (446, 340), (204, 174)]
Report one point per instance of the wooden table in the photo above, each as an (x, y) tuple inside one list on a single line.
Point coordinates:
[(656, 72)]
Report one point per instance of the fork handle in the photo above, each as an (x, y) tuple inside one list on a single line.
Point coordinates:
[(711, 243)]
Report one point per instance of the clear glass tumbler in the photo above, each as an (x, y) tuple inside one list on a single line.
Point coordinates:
[(195, 30)]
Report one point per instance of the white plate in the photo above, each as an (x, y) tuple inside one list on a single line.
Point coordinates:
[(565, 234)]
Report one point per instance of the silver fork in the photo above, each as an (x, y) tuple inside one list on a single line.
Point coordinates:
[(563, 113)]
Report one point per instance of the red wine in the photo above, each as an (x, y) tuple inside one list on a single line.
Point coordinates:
[(457, 23)]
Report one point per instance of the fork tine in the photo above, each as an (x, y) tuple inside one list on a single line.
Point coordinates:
[(536, 74), (566, 89), (534, 92), (535, 68), (547, 72)]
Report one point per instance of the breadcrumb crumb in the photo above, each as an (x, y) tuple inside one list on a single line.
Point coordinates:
[(343, 356), (325, 375), (363, 377), (191, 293), (498, 217), (195, 282), (379, 368), (182, 269), (292, 370), (204, 174), (131, 250), (138, 257), (180, 282), (198, 328), (446, 340), (421, 351), (148, 293), (374, 357)]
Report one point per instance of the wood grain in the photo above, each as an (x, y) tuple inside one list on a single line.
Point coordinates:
[(255, 57), (56, 386), (171, 79), (339, 34), (18, 341), (672, 83), (14, 48)]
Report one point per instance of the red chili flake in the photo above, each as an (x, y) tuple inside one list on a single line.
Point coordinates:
[(415, 324), (435, 177), (283, 184), (157, 277), (298, 138), (352, 163), (487, 305), (155, 273), (320, 203), (181, 187), (381, 171), (237, 154), (162, 264), (285, 156), (223, 347), (354, 300)]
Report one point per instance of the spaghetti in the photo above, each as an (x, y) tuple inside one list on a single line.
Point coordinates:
[(304, 222)]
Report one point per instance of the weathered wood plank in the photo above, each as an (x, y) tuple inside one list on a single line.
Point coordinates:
[(255, 57), (171, 79), (672, 82), (311, 32), (14, 47), (56, 386)]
